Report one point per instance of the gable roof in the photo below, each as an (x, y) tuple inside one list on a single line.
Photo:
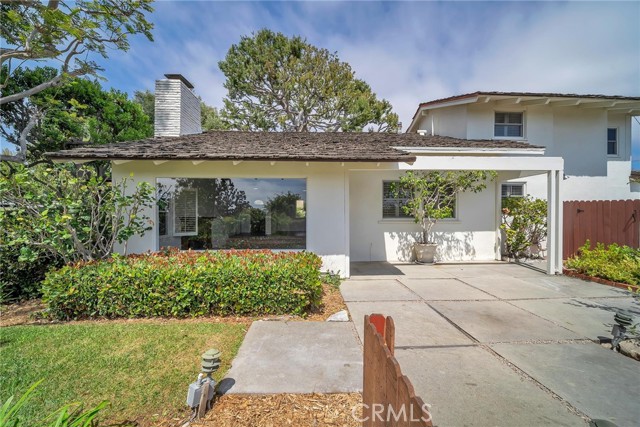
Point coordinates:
[(283, 146), (633, 101)]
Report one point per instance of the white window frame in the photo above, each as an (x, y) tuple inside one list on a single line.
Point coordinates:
[(522, 125), (617, 141), (511, 184), (173, 215)]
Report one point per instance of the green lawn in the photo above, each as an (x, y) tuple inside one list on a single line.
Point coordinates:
[(142, 368)]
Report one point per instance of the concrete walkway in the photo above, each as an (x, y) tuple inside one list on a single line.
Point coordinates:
[(501, 344), (297, 357)]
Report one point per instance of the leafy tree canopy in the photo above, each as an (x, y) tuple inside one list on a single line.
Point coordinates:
[(70, 33), (80, 109), (147, 101), (277, 83)]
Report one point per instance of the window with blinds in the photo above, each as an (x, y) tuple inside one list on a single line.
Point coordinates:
[(392, 204), (512, 190), (185, 212), (509, 125)]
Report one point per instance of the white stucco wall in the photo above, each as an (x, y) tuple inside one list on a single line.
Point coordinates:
[(327, 233), (450, 121), (579, 135), (471, 236), (344, 204)]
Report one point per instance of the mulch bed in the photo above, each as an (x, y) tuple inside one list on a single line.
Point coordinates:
[(573, 273), (279, 410)]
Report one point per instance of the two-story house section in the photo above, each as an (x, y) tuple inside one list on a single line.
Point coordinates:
[(591, 132)]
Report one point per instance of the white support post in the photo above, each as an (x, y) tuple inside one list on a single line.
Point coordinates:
[(552, 228), (560, 220), (347, 225), (498, 213)]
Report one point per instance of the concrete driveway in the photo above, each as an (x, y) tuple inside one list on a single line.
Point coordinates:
[(501, 344)]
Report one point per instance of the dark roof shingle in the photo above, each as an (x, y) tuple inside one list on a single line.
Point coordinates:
[(312, 146)]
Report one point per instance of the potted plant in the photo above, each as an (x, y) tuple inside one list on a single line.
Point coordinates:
[(430, 196)]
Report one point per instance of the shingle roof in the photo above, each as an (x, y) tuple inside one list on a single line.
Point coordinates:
[(313, 146)]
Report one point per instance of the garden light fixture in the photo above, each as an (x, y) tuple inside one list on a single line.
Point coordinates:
[(205, 383), (623, 321)]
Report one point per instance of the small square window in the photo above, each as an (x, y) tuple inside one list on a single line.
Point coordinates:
[(513, 190), (509, 125), (612, 142)]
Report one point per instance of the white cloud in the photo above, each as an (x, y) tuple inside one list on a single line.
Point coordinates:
[(407, 52)]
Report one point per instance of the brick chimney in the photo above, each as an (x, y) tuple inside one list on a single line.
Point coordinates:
[(177, 107)]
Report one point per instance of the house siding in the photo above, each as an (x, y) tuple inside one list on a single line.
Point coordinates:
[(468, 237), (576, 134)]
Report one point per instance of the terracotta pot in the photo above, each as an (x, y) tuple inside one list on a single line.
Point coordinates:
[(425, 252)]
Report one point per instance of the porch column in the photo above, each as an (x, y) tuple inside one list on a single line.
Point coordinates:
[(559, 221), (347, 225), (554, 223), (551, 222)]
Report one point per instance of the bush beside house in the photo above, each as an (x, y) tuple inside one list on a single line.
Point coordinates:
[(181, 284), (614, 262)]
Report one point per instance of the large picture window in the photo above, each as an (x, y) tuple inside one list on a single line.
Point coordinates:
[(238, 213)]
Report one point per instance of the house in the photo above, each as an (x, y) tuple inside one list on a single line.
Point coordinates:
[(323, 192), (592, 133)]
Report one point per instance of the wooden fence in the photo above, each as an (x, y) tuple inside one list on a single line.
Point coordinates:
[(602, 221), (388, 396)]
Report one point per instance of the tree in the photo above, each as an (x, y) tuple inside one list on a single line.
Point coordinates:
[(64, 32), (69, 214), (431, 196), (79, 109), (147, 100), (276, 83), (212, 119), (524, 221)]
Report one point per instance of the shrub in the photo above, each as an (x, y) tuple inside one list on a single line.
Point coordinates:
[(524, 221), (179, 284), (615, 262), (20, 279)]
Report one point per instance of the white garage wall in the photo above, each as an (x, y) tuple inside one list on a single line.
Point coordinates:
[(471, 236)]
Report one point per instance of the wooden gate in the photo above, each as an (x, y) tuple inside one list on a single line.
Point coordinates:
[(602, 221), (388, 396)]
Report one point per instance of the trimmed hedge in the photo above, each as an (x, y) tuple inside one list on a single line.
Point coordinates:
[(613, 262), (181, 284)]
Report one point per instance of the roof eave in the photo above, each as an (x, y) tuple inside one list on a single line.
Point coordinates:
[(80, 159), (472, 150)]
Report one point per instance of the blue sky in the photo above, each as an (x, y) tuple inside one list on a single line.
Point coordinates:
[(407, 51)]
